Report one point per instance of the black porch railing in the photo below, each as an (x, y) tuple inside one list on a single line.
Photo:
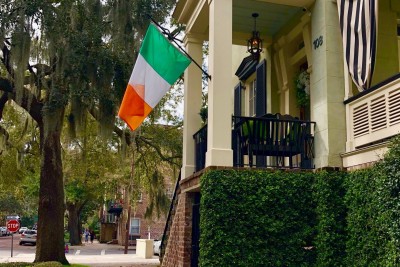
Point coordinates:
[(200, 139), (278, 141), (115, 207)]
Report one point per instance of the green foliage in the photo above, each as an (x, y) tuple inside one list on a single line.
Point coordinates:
[(302, 86), (330, 239), (264, 218), (374, 208), (364, 244), (256, 218)]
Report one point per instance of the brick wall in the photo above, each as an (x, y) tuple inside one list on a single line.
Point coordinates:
[(156, 225), (178, 249)]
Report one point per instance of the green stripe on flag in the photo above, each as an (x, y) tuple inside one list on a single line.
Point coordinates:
[(162, 56)]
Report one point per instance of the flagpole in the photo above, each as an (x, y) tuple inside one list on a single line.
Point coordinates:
[(173, 39)]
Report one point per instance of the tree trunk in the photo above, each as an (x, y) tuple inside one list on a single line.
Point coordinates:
[(75, 237), (50, 240)]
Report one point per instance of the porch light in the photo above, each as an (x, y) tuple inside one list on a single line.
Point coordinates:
[(254, 44)]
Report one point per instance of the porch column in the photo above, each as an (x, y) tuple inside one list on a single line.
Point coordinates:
[(220, 91), (327, 85), (192, 104)]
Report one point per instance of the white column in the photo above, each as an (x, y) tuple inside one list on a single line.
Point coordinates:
[(327, 86), (220, 90), (192, 104)]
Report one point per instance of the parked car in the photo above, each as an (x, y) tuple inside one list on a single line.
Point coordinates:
[(4, 231), (22, 229), (28, 236), (156, 247)]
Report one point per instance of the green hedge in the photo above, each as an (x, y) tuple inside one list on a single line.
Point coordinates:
[(267, 218), (373, 200), (330, 239), (256, 218)]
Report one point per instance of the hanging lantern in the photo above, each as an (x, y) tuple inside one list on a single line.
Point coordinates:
[(254, 44)]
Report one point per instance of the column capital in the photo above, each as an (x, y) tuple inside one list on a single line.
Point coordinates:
[(193, 38)]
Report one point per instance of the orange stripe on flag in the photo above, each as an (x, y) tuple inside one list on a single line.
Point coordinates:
[(133, 109), (135, 121), (133, 102)]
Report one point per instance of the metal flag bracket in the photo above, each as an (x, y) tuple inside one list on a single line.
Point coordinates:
[(175, 40)]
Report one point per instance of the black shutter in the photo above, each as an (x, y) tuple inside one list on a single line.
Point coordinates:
[(237, 109), (261, 87), (261, 100)]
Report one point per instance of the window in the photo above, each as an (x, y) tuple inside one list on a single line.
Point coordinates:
[(135, 227), (252, 98)]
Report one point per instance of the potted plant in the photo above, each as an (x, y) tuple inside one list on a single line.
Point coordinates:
[(204, 114)]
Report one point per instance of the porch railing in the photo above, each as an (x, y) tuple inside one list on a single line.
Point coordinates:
[(373, 115), (200, 139), (282, 142)]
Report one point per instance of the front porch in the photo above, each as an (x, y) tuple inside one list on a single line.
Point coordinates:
[(265, 86)]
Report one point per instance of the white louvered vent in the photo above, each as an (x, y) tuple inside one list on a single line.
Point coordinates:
[(394, 107), (360, 120), (378, 113)]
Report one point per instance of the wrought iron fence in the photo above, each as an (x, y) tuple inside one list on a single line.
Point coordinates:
[(200, 138), (278, 141)]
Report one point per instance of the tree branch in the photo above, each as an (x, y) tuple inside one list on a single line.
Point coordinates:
[(3, 101), (158, 150), (121, 133)]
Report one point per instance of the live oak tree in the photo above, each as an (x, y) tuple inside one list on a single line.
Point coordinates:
[(70, 53)]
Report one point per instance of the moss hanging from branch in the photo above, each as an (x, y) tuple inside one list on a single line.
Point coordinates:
[(21, 44)]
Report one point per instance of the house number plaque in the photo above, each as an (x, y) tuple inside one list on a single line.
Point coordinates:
[(318, 42)]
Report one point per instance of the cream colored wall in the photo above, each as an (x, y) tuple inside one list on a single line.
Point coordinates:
[(387, 57), (398, 48)]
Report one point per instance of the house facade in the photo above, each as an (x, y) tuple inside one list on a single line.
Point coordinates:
[(114, 217), (334, 124)]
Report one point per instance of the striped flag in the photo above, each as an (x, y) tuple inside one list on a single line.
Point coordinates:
[(359, 24), (157, 68)]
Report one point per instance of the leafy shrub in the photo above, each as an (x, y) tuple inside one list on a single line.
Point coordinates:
[(330, 239), (256, 218), (373, 200)]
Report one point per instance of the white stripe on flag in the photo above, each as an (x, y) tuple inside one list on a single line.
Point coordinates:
[(144, 74)]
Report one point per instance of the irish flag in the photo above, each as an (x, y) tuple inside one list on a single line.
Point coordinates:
[(157, 68)]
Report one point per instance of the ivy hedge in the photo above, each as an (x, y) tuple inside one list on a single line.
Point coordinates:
[(256, 218), (373, 219), (276, 218)]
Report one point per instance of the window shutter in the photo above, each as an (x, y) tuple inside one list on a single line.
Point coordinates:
[(261, 85), (261, 100), (237, 109)]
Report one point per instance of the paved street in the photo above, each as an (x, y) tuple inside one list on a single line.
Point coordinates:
[(95, 254)]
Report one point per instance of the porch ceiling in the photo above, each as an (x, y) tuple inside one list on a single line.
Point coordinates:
[(273, 15)]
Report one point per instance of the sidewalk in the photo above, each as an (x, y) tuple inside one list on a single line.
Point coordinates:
[(130, 259)]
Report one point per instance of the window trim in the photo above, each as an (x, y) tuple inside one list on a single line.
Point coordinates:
[(131, 226)]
